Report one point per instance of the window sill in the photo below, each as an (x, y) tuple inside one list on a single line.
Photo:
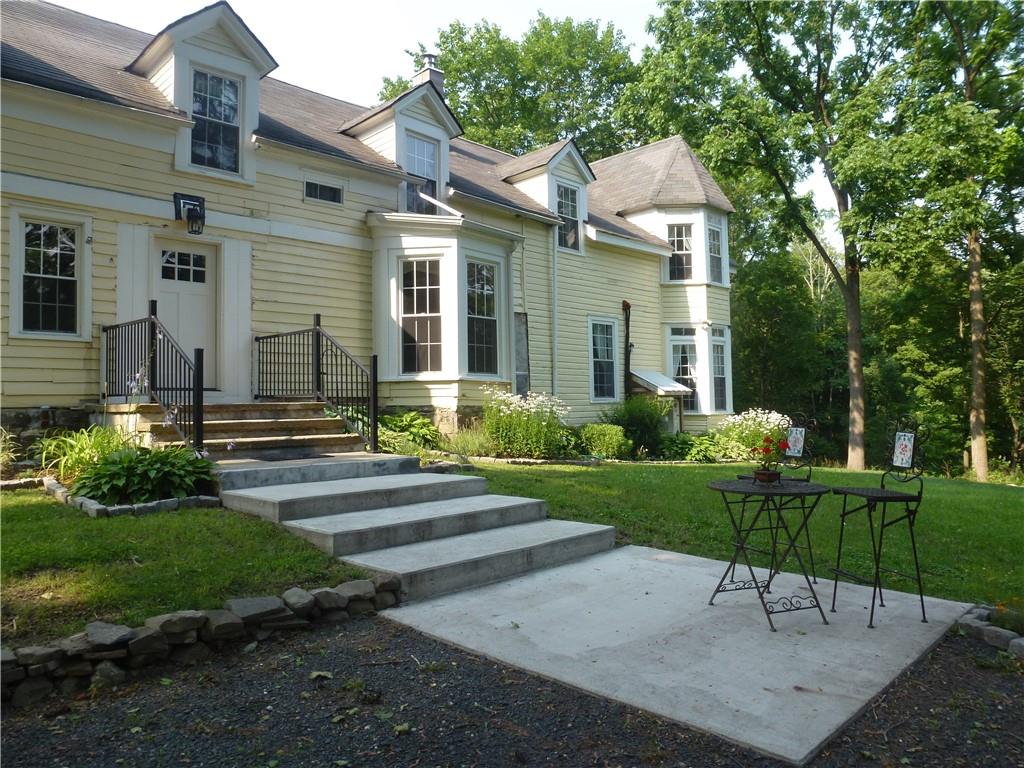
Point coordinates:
[(212, 173), (48, 336), (604, 400), (573, 251)]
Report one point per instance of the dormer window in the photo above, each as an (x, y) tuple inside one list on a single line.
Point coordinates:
[(215, 136), (569, 213), (421, 160)]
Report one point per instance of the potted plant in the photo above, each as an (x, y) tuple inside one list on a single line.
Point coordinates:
[(768, 455)]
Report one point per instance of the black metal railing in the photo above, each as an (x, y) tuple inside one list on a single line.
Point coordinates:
[(310, 363), (144, 361)]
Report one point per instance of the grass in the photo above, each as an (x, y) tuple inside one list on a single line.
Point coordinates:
[(970, 536), (61, 569)]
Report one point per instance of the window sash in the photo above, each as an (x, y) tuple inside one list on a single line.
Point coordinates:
[(420, 326), (50, 278), (684, 371), (715, 253), (481, 318), (602, 359), (421, 160), (680, 263), (718, 376), (326, 193), (568, 212), (215, 111)]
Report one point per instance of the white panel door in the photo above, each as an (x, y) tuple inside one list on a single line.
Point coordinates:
[(186, 274)]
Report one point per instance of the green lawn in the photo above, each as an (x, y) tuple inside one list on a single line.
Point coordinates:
[(970, 536), (61, 569)]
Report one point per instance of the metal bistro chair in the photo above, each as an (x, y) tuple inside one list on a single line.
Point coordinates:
[(796, 465), (905, 468)]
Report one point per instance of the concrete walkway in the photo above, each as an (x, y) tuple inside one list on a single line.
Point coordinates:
[(634, 625)]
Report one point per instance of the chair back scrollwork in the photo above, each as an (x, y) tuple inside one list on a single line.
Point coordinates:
[(907, 438), (798, 456)]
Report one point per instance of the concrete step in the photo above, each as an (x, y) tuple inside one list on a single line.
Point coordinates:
[(296, 446), (437, 567), (296, 501), (355, 532), (235, 473), (235, 428)]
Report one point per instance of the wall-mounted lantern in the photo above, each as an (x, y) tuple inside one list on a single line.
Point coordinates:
[(192, 210)]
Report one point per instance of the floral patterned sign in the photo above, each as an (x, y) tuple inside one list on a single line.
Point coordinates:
[(903, 453), (795, 438)]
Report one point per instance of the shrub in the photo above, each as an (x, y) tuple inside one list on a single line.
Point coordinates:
[(7, 448), (135, 475), (676, 446), (606, 441), (703, 449), (737, 436), (69, 454), (641, 419), (414, 425), (525, 427), (472, 441)]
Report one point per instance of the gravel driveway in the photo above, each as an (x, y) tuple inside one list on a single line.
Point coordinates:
[(375, 694)]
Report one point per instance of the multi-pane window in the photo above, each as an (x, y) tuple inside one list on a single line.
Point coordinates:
[(715, 253), (324, 192), (50, 279), (421, 316), (215, 135), (482, 318), (183, 267), (684, 363), (569, 214), (718, 368), (680, 263), (602, 359), (421, 160)]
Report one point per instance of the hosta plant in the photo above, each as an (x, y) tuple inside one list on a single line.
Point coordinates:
[(136, 475)]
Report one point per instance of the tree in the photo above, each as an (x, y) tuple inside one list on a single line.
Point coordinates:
[(562, 80), (769, 82)]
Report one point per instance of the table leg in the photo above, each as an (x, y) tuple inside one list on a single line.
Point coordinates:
[(806, 512)]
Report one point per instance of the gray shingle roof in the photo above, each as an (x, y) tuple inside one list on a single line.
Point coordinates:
[(666, 172), (536, 159)]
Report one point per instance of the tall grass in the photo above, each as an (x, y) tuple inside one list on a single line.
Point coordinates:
[(68, 454)]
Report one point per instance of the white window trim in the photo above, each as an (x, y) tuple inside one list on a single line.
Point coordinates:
[(723, 250), (422, 375), (83, 271), (579, 215), (326, 180), (591, 321), (725, 341), (693, 340), (414, 134), (500, 315), (666, 272)]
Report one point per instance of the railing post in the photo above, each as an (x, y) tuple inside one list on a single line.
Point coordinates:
[(317, 362), (373, 404), (197, 401), (151, 361)]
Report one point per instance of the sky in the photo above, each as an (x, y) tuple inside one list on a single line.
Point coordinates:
[(344, 49)]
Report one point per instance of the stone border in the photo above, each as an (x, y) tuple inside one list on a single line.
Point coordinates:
[(106, 655), (95, 509), (570, 462), (20, 483), (975, 623)]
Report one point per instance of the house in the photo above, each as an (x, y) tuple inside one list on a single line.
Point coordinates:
[(174, 168)]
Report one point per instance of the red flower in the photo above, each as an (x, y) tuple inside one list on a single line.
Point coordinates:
[(783, 445), (768, 440), (766, 450)]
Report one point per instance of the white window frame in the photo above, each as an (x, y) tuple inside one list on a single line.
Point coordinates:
[(439, 260), (411, 137), (691, 341), (614, 323), (668, 268), (579, 223), (327, 181), (497, 318), (721, 342), (83, 271), (715, 224), (240, 116)]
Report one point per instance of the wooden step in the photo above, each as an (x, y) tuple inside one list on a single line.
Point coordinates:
[(297, 445), (236, 428)]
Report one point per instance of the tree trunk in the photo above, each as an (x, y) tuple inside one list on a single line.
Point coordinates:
[(979, 443), (854, 368)]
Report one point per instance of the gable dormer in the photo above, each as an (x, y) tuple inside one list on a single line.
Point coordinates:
[(209, 64), (556, 176), (414, 130)]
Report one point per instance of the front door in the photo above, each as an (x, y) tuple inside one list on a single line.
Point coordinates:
[(187, 300)]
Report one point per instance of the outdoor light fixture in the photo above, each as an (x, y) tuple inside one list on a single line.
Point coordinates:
[(191, 209)]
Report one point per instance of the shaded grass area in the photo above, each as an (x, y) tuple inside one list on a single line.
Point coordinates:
[(61, 569), (970, 536)]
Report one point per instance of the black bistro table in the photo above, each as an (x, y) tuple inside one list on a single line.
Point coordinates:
[(781, 511)]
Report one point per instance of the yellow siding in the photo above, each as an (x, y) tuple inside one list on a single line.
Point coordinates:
[(215, 39), (566, 169), (718, 304), (682, 303)]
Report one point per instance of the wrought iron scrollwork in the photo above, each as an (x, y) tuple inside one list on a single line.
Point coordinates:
[(791, 603)]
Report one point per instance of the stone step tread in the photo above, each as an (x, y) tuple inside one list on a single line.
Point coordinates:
[(284, 440), (254, 424), (230, 465), (328, 488), (451, 551), (214, 408), (350, 522)]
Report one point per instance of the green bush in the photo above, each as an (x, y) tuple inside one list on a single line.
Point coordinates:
[(641, 419), (7, 448), (704, 449), (471, 441), (676, 446), (69, 454), (738, 436), (135, 475), (415, 426), (607, 441), (526, 427)]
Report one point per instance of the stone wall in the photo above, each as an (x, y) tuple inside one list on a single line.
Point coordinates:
[(27, 425)]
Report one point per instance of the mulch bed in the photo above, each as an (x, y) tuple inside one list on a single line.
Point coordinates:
[(375, 694)]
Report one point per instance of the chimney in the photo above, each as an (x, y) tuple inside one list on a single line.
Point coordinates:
[(430, 72)]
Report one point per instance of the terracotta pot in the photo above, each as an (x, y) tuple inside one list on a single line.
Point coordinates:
[(767, 476)]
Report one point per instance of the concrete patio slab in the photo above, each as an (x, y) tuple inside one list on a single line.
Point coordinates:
[(633, 624)]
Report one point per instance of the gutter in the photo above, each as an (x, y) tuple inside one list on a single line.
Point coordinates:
[(397, 174), (505, 206)]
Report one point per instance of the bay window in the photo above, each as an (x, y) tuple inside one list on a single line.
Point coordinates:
[(683, 350), (718, 375), (481, 318), (421, 315), (680, 263), (716, 263)]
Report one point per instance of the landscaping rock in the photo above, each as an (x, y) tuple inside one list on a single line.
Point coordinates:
[(294, 622), (179, 621), (383, 600), (254, 609), (119, 510), (31, 691), (222, 625), (145, 659), (51, 485), (75, 645), (361, 589), (77, 667), (209, 501), (108, 675), (38, 654), (62, 496), (147, 640), (328, 599), (299, 601), (105, 634), (360, 607), (10, 675), (1016, 648), (37, 670), (999, 637), (182, 638), (387, 582), (7, 656), (149, 508), (70, 686), (981, 613), (972, 627), (335, 617), (167, 505), (191, 654), (115, 653), (188, 502), (93, 508)]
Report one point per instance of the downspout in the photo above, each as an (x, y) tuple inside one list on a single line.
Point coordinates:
[(554, 315), (626, 307)]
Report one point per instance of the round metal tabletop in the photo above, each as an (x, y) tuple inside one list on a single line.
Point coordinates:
[(782, 488)]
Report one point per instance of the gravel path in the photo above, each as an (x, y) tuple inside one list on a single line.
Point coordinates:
[(376, 694)]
